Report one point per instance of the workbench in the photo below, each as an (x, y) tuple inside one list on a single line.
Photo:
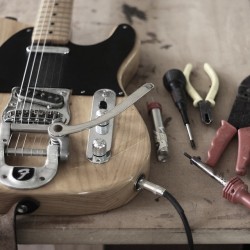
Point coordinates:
[(172, 34)]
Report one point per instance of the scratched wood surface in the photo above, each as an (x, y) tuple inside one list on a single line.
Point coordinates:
[(173, 33)]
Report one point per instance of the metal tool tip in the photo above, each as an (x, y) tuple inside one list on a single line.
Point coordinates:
[(192, 144), (188, 156)]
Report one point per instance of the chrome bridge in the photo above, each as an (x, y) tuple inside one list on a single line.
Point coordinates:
[(31, 111)]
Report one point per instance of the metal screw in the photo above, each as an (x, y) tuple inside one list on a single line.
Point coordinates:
[(22, 209)]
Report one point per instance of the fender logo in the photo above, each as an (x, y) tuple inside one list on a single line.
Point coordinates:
[(23, 174)]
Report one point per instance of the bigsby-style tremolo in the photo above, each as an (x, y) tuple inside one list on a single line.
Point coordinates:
[(30, 111), (46, 111)]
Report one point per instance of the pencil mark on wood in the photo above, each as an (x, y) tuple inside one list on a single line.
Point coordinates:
[(167, 121), (167, 216), (152, 38), (131, 11), (167, 46), (208, 201), (229, 217)]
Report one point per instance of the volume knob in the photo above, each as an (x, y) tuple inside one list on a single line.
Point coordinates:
[(100, 150)]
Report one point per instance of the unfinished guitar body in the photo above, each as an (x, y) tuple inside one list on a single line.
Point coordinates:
[(80, 186)]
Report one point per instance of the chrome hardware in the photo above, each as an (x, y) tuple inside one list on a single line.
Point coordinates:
[(28, 110), (23, 116), (100, 136), (99, 150), (58, 129), (40, 96), (102, 128), (48, 49), (144, 184), (20, 177)]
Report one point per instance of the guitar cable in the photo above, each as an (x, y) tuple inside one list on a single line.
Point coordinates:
[(142, 183)]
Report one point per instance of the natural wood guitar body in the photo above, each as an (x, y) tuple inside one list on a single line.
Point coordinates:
[(81, 187)]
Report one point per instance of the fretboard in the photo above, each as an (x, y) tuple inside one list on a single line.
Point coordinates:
[(53, 22)]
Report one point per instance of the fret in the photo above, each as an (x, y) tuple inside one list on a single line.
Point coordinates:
[(45, 26), (53, 22), (44, 32), (53, 11)]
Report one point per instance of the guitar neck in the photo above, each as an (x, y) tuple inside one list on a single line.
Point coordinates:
[(53, 22)]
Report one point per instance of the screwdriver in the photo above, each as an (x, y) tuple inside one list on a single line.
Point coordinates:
[(175, 82), (235, 190)]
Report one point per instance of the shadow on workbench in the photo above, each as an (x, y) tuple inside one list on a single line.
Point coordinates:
[(176, 247)]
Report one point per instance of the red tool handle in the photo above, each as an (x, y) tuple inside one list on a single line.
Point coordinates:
[(223, 136), (243, 158), (237, 192)]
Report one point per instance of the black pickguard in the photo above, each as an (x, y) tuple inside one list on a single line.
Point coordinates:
[(85, 69)]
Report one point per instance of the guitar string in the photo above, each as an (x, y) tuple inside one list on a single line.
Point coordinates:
[(24, 141), (26, 69), (33, 62), (47, 14), (52, 71), (56, 64), (51, 83), (43, 48), (21, 88), (18, 137), (42, 58)]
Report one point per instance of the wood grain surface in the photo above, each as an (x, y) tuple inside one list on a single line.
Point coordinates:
[(172, 33)]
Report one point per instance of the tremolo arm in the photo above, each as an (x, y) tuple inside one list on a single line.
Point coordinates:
[(57, 130)]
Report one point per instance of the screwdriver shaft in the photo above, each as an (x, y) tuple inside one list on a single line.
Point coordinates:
[(207, 169), (175, 81), (190, 136)]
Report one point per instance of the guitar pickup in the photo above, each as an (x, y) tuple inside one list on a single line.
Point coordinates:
[(40, 97), (100, 136), (38, 106)]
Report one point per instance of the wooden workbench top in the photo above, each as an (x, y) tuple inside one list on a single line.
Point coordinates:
[(173, 33)]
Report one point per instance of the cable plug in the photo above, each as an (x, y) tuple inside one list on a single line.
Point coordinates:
[(142, 183)]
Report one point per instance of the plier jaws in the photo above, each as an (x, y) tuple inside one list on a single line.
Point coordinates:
[(204, 105), (205, 112)]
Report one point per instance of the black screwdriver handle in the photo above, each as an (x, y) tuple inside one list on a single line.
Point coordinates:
[(175, 83)]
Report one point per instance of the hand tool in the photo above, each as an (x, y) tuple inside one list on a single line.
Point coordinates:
[(204, 105), (239, 120), (174, 81), (160, 136), (235, 190)]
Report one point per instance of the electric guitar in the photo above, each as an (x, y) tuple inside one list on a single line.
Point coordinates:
[(46, 79)]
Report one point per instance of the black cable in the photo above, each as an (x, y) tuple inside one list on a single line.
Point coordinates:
[(180, 211)]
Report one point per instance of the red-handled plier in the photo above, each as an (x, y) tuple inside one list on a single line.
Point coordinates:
[(239, 120)]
